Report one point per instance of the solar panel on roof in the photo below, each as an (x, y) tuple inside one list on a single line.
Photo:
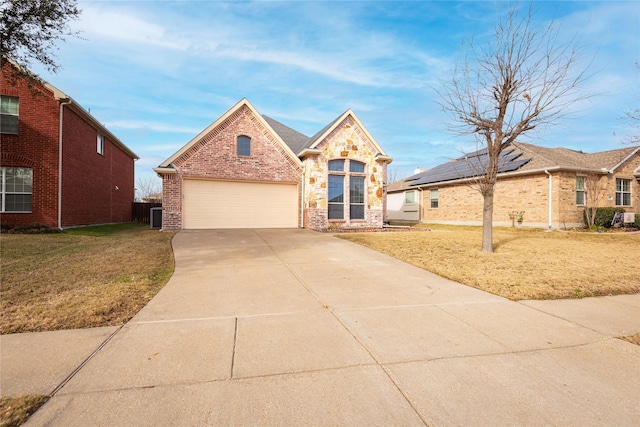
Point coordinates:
[(469, 166)]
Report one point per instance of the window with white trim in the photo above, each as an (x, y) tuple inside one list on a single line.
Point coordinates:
[(17, 189), (580, 190), (433, 197), (623, 192), (409, 197), (100, 144), (9, 114)]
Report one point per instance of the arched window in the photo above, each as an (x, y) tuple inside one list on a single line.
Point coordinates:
[(244, 146)]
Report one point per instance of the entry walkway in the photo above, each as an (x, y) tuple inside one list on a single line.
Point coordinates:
[(293, 327)]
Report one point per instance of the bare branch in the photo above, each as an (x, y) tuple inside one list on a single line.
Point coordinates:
[(523, 78)]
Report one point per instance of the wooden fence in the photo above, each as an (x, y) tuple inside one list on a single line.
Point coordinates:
[(141, 212)]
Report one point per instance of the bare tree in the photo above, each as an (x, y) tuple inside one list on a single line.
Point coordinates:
[(632, 115), (29, 30), (592, 186), (149, 189), (523, 78)]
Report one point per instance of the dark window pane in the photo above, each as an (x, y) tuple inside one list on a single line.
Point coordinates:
[(356, 211), (244, 146), (18, 203), (336, 165), (336, 211), (8, 124), (356, 166), (356, 189)]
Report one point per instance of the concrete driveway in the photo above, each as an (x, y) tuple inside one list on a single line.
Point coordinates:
[(293, 327)]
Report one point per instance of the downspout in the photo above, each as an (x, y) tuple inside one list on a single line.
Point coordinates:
[(421, 204), (550, 197), (302, 196), (62, 104)]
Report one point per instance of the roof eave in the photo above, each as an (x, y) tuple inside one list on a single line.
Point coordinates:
[(165, 171), (309, 152), (627, 157), (78, 109), (514, 174), (383, 158), (340, 119), (219, 121)]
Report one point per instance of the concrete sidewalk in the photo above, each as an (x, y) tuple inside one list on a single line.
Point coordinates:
[(293, 327)]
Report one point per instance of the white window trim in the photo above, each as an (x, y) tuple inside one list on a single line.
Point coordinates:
[(624, 192), (431, 199), (100, 144), (3, 191), (413, 192), (584, 191), (16, 115)]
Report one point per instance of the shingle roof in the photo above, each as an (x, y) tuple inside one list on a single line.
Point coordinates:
[(470, 165), (518, 157), (294, 139)]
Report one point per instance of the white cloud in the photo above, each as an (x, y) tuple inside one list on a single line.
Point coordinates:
[(151, 126), (123, 25)]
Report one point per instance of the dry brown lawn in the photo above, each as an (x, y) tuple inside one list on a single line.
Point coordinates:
[(14, 411), (526, 263), (86, 277)]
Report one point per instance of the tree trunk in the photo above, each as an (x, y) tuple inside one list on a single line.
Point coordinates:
[(487, 221)]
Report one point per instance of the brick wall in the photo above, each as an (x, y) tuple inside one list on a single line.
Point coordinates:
[(35, 146), (215, 157), (461, 204), (89, 179), (96, 188)]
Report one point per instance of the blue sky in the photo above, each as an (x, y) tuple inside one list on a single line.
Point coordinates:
[(156, 73)]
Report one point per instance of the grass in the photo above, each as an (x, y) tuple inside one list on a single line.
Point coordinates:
[(15, 410), (81, 278), (633, 339), (526, 263)]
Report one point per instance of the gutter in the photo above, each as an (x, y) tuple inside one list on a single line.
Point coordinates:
[(63, 102), (302, 198), (550, 197)]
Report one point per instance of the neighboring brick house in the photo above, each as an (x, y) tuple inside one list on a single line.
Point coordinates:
[(59, 166), (249, 171), (536, 187)]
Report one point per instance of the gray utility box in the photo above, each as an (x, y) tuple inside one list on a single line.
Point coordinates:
[(156, 218)]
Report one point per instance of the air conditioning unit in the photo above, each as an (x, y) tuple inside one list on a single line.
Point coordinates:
[(156, 218)]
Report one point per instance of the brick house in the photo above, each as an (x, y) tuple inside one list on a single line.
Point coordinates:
[(59, 166), (247, 170), (536, 187)]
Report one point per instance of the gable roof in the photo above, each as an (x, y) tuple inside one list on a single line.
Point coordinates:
[(520, 158), (323, 133), (71, 103), (294, 139), (167, 167), (295, 143)]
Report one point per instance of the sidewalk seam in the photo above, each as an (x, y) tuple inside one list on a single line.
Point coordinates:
[(76, 370)]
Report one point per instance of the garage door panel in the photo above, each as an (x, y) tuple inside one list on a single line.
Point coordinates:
[(233, 204)]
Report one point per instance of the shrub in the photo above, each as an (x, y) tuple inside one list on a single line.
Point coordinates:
[(604, 216)]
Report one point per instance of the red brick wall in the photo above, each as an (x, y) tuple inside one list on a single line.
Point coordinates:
[(89, 179), (214, 156), (35, 146)]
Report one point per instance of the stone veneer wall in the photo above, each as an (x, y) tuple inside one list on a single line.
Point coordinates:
[(346, 141)]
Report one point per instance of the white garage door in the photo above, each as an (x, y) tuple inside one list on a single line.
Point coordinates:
[(233, 204)]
